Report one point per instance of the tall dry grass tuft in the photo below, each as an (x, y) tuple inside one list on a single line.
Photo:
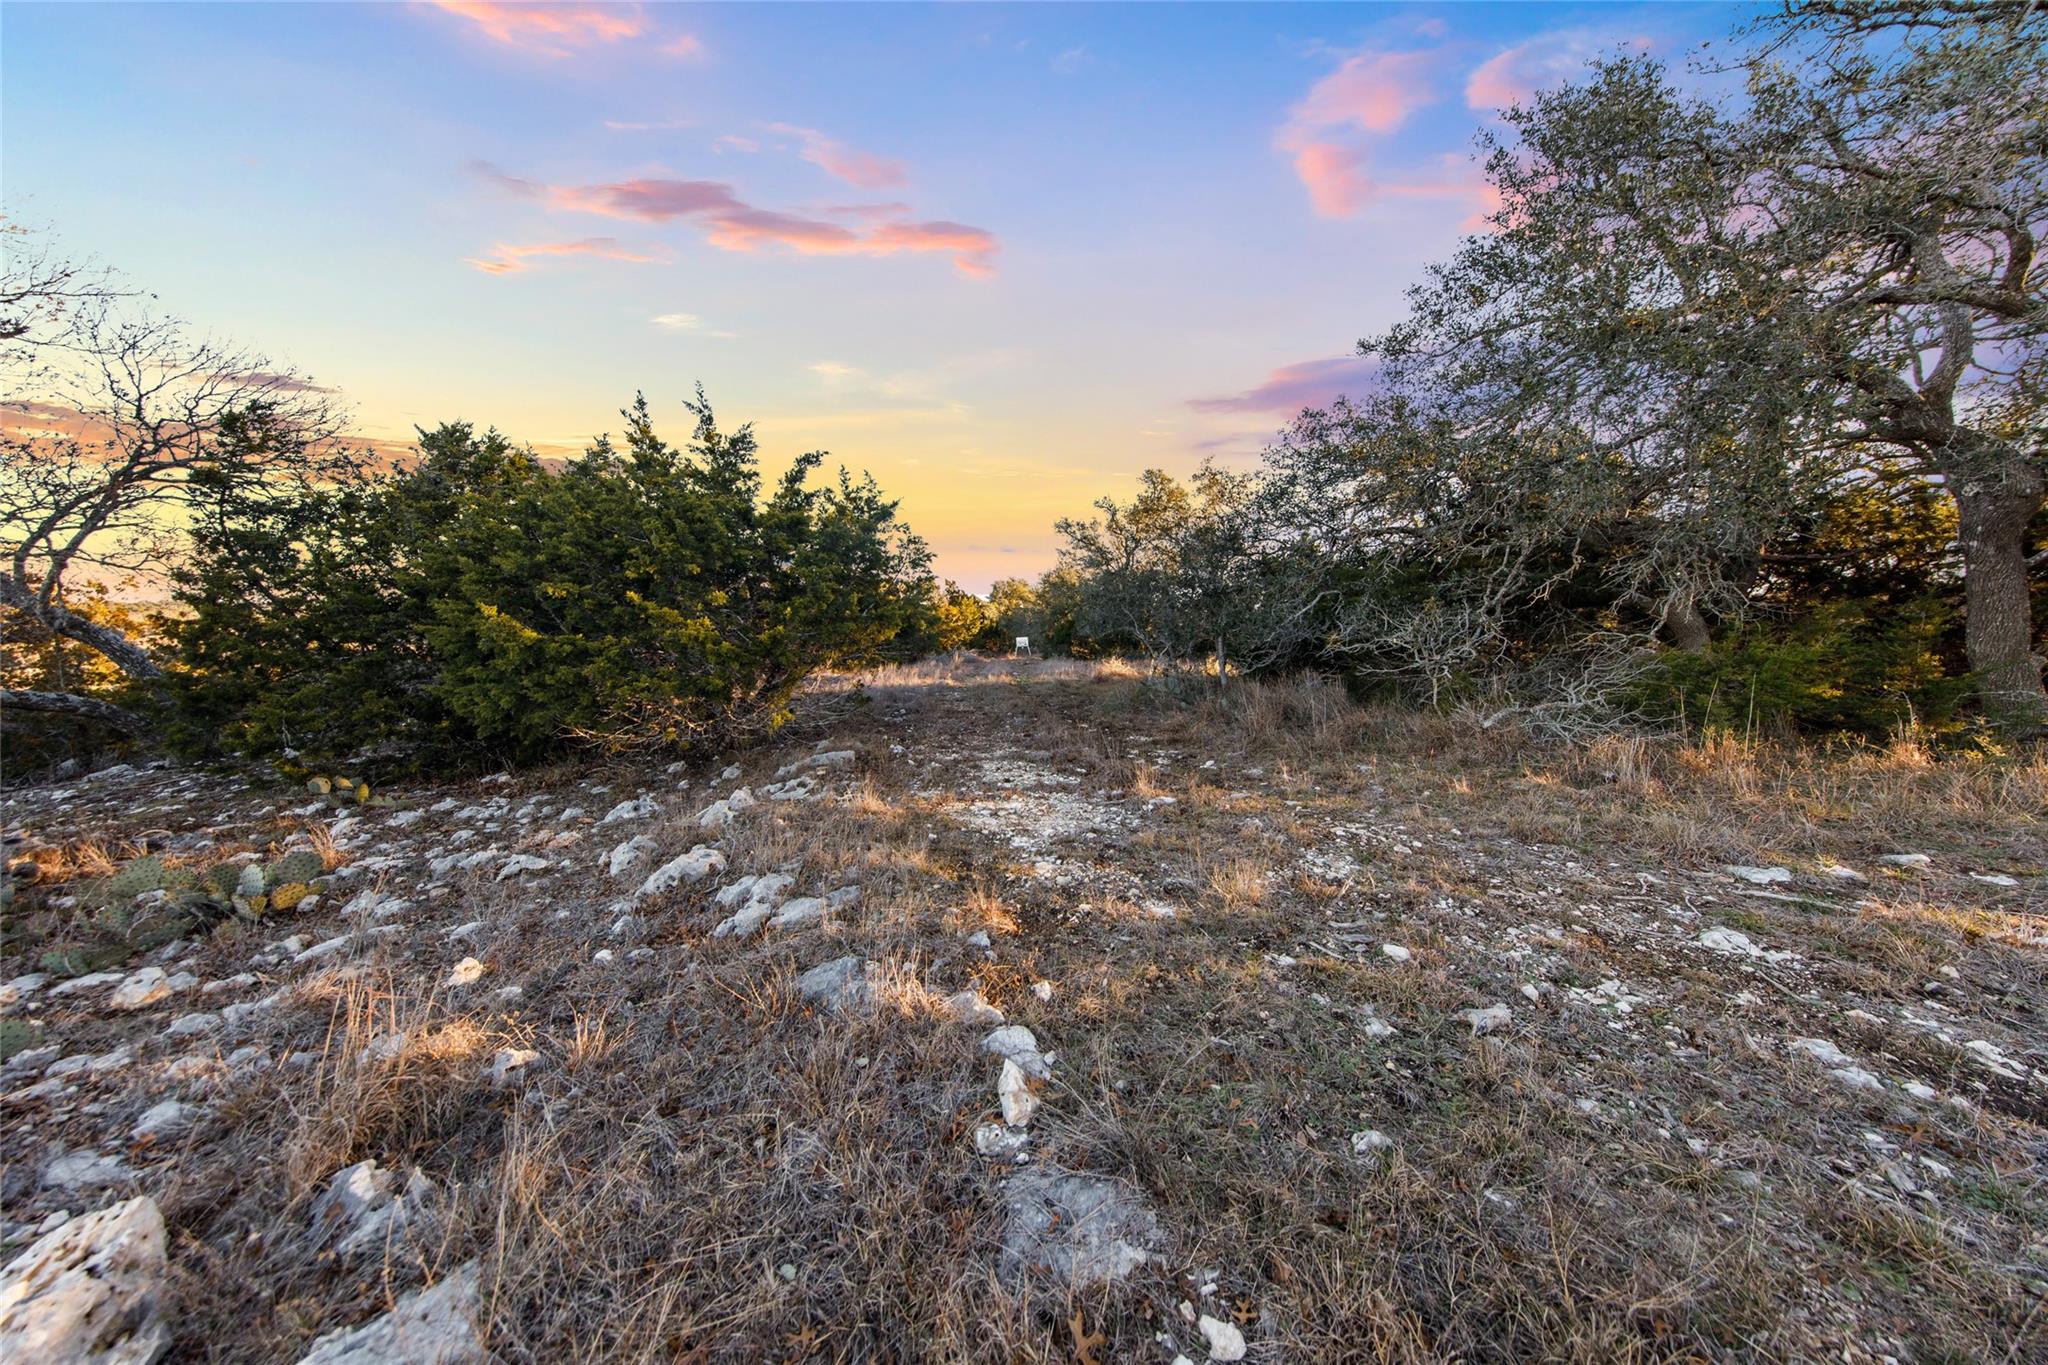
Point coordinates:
[(394, 1071)]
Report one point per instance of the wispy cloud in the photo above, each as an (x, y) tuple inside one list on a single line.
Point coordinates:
[(1071, 61), (554, 29), (855, 167), (558, 29), (734, 225), (1307, 384), (1515, 74), (1375, 91), (1371, 93), (686, 322), (649, 126), (508, 258)]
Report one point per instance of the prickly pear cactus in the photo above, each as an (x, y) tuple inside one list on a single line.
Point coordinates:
[(147, 873), (79, 961), (16, 1035), (222, 880), (300, 866), (288, 896), (250, 899), (319, 786)]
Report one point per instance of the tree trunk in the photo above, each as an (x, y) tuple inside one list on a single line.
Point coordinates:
[(69, 704), (1992, 518), (126, 655), (1683, 624)]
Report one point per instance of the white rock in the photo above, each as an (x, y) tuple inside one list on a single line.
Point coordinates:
[(21, 988), (509, 1062), (1994, 879), (1918, 860), (999, 1140), (1043, 990), (1018, 1044), (1370, 1142), (1856, 1078), (1845, 874), (1396, 952), (639, 809), (427, 1327), (1822, 1051), (968, 1007), (1487, 1020), (794, 913), (521, 863), (1762, 876), (84, 1170), (467, 972), (839, 984), (191, 1025), (1991, 1055), (1013, 1088), (1722, 939), (698, 863), (89, 982), (144, 986), (164, 1120), (1225, 1341), (326, 949), (90, 1292), (628, 855)]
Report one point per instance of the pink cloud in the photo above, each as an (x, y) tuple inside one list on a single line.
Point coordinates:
[(731, 224), (1371, 92), (683, 45), (1514, 75), (554, 29), (508, 258), (1306, 384), (1335, 177), (868, 171), (1376, 91)]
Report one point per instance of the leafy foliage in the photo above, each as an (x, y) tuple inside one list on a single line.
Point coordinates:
[(481, 605)]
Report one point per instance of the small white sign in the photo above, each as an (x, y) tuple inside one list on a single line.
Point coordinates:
[(1023, 642)]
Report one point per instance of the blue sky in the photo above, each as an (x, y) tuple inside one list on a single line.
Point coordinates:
[(1005, 257)]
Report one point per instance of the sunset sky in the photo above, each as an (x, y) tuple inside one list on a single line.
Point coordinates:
[(1004, 257)]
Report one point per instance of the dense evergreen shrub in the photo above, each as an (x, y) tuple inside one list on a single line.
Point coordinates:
[(478, 605)]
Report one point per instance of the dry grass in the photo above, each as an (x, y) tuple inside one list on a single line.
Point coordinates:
[(705, 1167)]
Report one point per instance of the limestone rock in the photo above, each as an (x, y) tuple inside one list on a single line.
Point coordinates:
[(836, 985), (143, 986), (1226, 1342), (434, 1326), (90, 1291), (1018, 1044), (968, 1007), (1761, 876), (1013, 1088), (1081, 1229), (628, 855), (699, 863), (639, 809)]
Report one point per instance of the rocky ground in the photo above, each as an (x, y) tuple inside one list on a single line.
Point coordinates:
[(1017, 1013)]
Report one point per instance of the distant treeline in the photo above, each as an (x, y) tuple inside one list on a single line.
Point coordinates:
[(1734, 417)]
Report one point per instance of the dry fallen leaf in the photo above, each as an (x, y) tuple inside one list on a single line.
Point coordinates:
[(1085, 1342)]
